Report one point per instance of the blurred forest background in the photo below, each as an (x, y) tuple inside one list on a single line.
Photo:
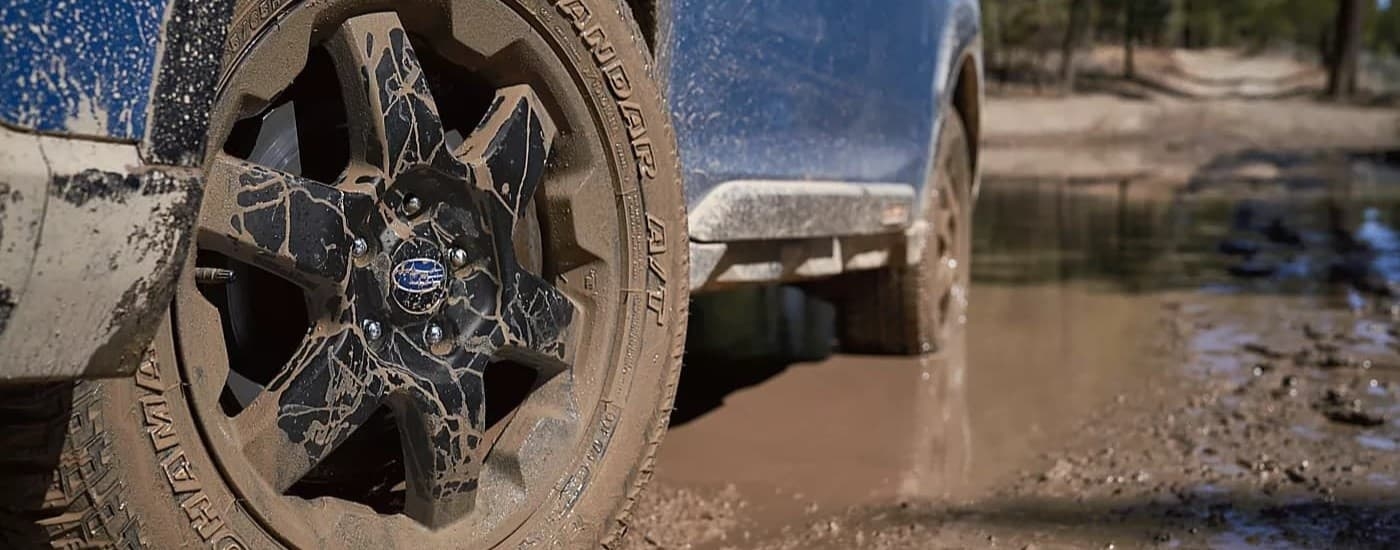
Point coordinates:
[(1049, 44)]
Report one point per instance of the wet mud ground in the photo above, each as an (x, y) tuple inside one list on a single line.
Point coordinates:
[(1209, 366)]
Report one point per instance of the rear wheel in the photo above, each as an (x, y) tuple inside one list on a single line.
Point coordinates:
[(917, 305), (438, 297)]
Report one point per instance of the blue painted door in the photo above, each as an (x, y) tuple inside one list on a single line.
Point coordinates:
[(838, 90)]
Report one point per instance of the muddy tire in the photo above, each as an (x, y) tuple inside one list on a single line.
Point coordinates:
[(202, 449), (63, 486), (910, 308)]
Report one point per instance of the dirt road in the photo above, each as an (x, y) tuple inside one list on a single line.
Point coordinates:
[(1223, 113), (1202, 367)]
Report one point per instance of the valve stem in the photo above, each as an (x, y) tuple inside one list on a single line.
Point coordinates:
[(213, 276)]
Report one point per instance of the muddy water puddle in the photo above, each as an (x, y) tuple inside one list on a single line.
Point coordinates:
[(1212, 367)]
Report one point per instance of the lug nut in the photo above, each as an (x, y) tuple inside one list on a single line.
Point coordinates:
[(412, 205), (433, 334), (359, 247), (372, 329), (458, 257)]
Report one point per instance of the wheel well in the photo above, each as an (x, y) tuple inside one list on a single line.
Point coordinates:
[(967, 94), (645, 11)]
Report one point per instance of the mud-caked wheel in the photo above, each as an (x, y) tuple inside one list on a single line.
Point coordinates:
[(918, 304), (437, 298)]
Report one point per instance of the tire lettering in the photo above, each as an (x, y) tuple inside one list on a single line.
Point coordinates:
[(573, 487), (159, 425), (148, 377), (241, 32), (577, 12), (590, 282), (617, 79), (656, 297), (656, 235), (178, 472), (656, 247), (185, 486), (646, 158), (203, 518), (605, 57), (632, 116)]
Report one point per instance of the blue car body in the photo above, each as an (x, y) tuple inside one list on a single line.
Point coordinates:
[(107, 100), (801, 90), (104, 49)]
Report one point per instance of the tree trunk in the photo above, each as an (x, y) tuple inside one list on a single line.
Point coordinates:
[(1346, 52), (994, 41), (1185, 13), (1129, 35), (1186, 25), (1078, 13)]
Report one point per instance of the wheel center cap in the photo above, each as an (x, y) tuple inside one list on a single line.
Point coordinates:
[(418, 277)]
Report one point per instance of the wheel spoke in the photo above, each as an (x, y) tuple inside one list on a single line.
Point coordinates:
[(574, 195), (394, 122), (537, 319), (522, 317), (507, 155), (513, 444), (946, 266), (290, 225), (508, 150), (440, 404), (331, 387), (944, 277)]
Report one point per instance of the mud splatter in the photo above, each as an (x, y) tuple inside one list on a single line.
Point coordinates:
[(89, 185), (78, 67), (7, 307), (5, 198), (189, 75)]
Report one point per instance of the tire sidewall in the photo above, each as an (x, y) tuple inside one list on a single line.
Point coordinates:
[(182, 498)]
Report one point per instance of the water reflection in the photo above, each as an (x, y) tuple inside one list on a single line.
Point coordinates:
[(1075, 289), (1138, 237)]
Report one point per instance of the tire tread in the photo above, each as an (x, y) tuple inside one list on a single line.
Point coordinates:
[(62, 478)]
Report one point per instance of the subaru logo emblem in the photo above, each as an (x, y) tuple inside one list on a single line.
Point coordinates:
[(419, 275)]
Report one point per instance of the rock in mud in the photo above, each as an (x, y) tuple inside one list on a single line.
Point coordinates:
[(1334, 361), (1059, 472), (1263, 350), (1238, 247), (1280, 232), (1338, 407), (1253, 268)]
